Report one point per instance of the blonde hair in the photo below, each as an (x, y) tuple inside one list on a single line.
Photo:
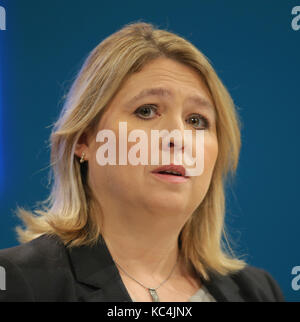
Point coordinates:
[(68, 211)]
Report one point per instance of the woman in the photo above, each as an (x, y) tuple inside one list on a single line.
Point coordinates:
[(136, 232)]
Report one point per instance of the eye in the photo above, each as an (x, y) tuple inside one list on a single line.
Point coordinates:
[(198, 121), (146, 112)]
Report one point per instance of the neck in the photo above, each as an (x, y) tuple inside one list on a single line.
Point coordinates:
[(143, 243)]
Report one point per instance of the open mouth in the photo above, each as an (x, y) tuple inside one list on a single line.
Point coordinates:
[(171, 170), (174, 173)]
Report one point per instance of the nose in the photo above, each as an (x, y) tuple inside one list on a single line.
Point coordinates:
[(171, 144), (173, 133)]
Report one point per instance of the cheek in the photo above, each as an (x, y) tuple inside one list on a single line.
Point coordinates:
[(113, 181), (210, 154), (113, 172), (202, 182)]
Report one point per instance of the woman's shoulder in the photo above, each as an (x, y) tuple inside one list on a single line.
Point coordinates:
[(33, 270), (253, 274), (249, 284), (43, 248)]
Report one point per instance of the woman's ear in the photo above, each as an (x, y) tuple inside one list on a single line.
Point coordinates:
[(82, 146)]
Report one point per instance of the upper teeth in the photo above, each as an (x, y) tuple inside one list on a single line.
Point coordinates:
[(173, 172)]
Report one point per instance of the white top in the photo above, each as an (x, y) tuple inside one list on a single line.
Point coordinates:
[(202, 295)]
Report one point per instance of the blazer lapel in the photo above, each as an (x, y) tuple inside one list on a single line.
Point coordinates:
[(94, 266)]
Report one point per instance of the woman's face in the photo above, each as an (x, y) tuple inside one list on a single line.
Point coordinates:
[(169, 101)]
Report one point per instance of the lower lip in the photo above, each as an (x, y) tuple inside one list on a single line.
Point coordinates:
[(170, 178)]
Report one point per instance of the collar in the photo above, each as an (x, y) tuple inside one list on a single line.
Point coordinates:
[(94, 266)]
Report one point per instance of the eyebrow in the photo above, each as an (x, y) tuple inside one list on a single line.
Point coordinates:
[(163, 92)]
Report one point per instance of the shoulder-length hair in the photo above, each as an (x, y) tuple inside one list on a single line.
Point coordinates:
[(68, 211)]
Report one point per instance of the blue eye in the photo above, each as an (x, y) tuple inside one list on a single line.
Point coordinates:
[(146, 111), (198, 121)]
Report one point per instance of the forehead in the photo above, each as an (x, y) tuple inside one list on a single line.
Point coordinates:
[(165, 70), (165, 78)]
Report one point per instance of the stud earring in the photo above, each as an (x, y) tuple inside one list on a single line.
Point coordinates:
[(82, 157)]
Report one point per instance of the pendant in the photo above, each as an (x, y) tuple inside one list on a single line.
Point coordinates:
[(153, 294)]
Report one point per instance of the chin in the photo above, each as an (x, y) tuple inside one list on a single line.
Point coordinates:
[(167, 205)]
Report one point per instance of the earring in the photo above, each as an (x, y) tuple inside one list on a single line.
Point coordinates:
[(82, 157)]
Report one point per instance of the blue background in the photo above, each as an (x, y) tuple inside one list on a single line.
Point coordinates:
[(251, 46)]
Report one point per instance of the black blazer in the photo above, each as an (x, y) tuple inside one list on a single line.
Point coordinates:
[(45, 270)]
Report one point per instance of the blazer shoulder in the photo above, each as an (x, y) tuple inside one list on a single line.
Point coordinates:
[(42, 249), (31, 265), (258, 285)]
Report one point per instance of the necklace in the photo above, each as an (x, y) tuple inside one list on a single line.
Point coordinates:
[(151, 290)]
